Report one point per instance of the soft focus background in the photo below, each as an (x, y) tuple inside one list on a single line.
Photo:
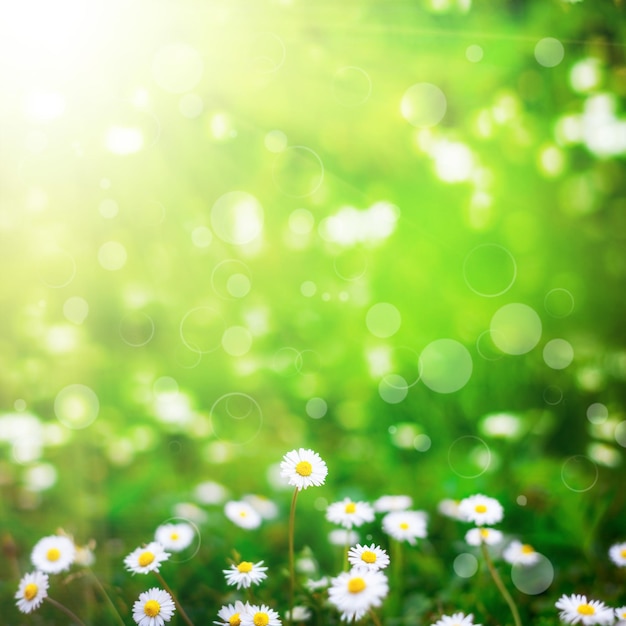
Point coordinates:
[(392, 232)]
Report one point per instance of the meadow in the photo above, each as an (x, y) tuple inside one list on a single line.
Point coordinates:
[(389, 233)]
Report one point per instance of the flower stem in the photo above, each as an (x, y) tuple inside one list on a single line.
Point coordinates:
[(500, 585), (107, 597), (374, 618), (65, 610), (176, 602), (292, 564)]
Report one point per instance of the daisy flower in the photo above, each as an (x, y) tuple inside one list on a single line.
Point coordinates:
[(373, 558), (303, 468), (154, 608), (617, 552), (385, 504), (456, 619), (348, 513), (230, 614), (488, 536), (343, 537), (449, 508), (519, 553), (245, 574), (480, 510), (300, 614), (405, 525), (175, 537), (620, 613), (355, 592), (575, 609), (262, 505), (148, 559), (260, 616), (242, 514), (315, 585), (32, 590), (53, 554), (84, 554)]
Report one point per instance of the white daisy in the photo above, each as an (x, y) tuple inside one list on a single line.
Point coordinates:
[(385, 504), (617, 552), (349, 514), (488, 536), (260, 615), (405, 525), (175, 537), (620, 613), (518, 553), (306, 565), (262, 505), (242, 514), (456, 619), (245, 574), (480, 510), (210, 492), (449, 508), (154, 608), (372, 557), (84, 554), (303, 468), (32, 590), (230, 614), (314, 585), (575, 609), (148, 559), (300, 614), (343, 537), (53, 554), (355, 592)]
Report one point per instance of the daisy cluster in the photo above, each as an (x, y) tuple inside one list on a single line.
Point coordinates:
[(484, 511), (354, 594), (51, 555)]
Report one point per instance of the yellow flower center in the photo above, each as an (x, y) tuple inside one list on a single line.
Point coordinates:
[(350, 507), (304, 468), (623, 553), (480, 508), (586, 609), (30, 591), (261, 619), (368, 556), (234, 620), (527, 549), (356, 585), (404, 526), (151, 608), (174, 536), (484, 533), (145, 558), (243, 513), (54, 554), (244, 567)]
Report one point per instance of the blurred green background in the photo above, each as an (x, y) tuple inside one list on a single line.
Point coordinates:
[(392, 232)]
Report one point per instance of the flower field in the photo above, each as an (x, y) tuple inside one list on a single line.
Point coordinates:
[(312, 313)]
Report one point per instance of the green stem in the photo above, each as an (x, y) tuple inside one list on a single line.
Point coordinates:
[(397, 570), (375, 618), (65, 610), (500, 585), (176, 602), (292, 563), (106, 595)]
